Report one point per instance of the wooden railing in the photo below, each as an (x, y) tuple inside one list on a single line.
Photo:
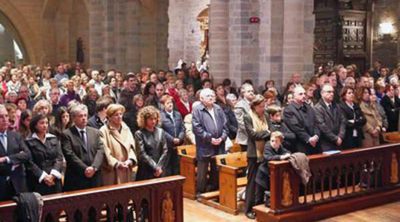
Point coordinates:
[(348, 176), (151, 200)]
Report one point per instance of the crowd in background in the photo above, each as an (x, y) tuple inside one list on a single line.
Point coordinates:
[(67, 128)]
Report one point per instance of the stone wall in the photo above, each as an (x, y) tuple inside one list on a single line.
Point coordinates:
[(184, 34), (279, 45)]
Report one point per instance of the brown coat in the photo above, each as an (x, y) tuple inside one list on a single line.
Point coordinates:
[(374, 120), (118, 147)]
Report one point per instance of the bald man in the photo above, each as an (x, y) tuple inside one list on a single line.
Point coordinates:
[(300, 119), (330, 121)]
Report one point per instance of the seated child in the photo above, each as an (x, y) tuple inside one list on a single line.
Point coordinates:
[(273, 150)]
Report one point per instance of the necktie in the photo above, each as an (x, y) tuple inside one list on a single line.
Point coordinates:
[(3, 138), (83, 137), (88, 153)]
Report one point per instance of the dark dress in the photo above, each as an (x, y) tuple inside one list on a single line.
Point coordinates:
[(46, 158), (152, 149), (355, 121)]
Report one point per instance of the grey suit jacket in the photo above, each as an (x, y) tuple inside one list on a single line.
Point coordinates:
[(331, 124), (241, 108), (78, 158), (19, 154)]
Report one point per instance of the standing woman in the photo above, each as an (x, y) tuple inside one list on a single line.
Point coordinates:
[(151, 144), (374, 124), (258, 133), (45, 167), (61, 123), (25, 119), (355, 119), (172, 124), (119, 147)]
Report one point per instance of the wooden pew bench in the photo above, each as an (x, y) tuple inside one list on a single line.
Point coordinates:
[(352, 180), (188, 165), (232, 176)]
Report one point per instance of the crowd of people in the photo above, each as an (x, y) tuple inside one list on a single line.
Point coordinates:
[(67, 128)]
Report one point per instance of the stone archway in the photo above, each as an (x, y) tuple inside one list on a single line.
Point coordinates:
[(15, 22)]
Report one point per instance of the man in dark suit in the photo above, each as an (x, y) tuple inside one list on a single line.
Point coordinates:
[(84, 151), (210, 130), (300, 118), (13, 155), (391, 104), (99, 119), (330, 120)]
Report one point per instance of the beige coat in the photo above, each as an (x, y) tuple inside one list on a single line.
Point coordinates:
[(118, 147), (374, 120)]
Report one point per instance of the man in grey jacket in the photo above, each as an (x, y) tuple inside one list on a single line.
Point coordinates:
[(210, 130), (241, 108)]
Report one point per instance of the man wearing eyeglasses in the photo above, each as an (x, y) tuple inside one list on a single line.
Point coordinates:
[(330, 120)]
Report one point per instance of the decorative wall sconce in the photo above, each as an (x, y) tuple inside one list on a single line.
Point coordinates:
[(386, 28), (386, 31)]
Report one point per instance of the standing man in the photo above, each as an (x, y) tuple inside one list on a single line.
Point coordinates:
[(241, 108), (129, 91), (84, 152), (13, 155), (209, 128), (301, 120), (330, 121)]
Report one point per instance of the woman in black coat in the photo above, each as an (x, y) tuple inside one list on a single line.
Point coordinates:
[(150, 144), (355, 119), (45, 167)]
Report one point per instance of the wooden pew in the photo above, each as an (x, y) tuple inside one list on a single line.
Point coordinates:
[(148, 200), (391, 137), (349, 181), (232, 176), (188, 164)]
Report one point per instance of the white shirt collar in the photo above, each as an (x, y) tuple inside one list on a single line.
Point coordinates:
[(79, 129)]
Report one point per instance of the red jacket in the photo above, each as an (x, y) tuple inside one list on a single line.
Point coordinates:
[(182, 108)]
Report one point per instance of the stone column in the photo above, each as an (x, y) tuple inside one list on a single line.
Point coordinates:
[(219, 44), (97, 34), (176, 43)]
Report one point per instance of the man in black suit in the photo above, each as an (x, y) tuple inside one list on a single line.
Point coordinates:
[(13, 155), (391, 104), (330, 120), (300, 119), (84, 151)]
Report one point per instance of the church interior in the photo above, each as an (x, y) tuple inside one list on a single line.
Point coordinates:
[(243, 41)]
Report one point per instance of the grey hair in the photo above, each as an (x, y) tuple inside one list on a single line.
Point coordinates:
[(75, 109), (244, 86), (205, 92)]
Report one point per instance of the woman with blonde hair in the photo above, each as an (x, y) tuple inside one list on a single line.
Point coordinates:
[(119, 147), (151, 144), (258, 132)]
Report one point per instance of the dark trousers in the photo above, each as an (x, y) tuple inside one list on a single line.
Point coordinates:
[(259, 195), (173, 163), (243, 147), (7, 190), (202, 170), (252, 167)]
